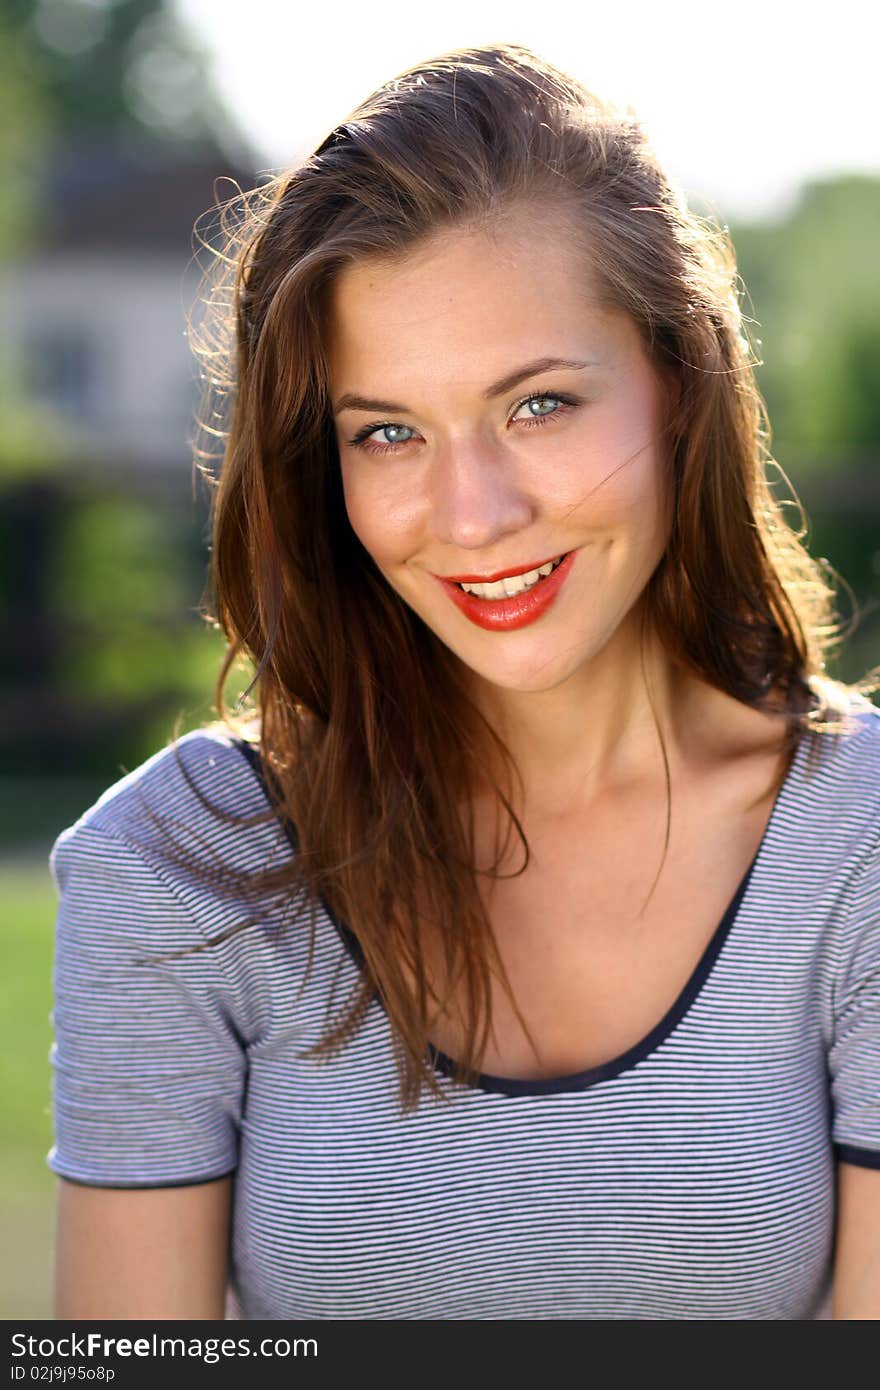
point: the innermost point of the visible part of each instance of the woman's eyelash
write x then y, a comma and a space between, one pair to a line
361, 440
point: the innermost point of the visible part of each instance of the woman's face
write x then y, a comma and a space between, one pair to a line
462, 455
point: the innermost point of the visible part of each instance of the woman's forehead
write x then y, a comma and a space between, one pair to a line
474, 301
474, 253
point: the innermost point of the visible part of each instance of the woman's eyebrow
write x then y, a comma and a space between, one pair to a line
351, 401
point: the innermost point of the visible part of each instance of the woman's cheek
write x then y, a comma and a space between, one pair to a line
357, 505
385, 524
590, 482
613, 472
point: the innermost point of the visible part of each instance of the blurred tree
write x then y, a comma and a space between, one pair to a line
813, 295
23, 134
814, 291
122, 67
25, 130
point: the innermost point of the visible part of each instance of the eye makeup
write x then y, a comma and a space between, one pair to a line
567, 403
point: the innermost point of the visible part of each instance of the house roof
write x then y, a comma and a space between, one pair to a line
135, 196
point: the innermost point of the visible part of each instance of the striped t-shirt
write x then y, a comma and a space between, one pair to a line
691, 1177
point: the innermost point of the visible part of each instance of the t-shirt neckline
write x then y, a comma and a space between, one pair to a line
605, 1071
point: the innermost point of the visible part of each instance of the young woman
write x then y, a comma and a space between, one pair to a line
517, 954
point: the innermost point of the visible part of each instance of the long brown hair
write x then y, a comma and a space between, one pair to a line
369, 738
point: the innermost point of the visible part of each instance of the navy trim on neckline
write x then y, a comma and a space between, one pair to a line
576, 1081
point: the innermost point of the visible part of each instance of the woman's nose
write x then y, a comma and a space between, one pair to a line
477, 496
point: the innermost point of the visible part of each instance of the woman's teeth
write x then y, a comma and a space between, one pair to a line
517, 584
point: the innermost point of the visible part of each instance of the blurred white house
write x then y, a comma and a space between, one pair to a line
95, 312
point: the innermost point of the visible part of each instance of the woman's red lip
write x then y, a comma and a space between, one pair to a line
507, 614
500, 574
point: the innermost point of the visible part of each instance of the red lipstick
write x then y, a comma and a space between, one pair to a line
499, 574
505, 614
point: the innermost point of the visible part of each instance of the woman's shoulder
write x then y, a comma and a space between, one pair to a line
835, 793
188, 799
844, 748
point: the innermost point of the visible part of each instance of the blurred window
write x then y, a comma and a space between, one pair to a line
62, 369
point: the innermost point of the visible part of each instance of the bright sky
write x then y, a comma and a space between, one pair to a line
742, 101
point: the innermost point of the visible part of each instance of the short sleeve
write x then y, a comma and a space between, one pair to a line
854, 1055
148, 1069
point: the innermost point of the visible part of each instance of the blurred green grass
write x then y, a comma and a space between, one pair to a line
27, 910
28, 900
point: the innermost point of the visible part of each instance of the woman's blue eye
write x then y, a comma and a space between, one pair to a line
392, 433
540, 401
364, 437
398, 435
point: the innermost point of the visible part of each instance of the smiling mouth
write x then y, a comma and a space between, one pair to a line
513, 585
499, 609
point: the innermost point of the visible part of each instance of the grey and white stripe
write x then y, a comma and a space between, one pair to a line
691, 1178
